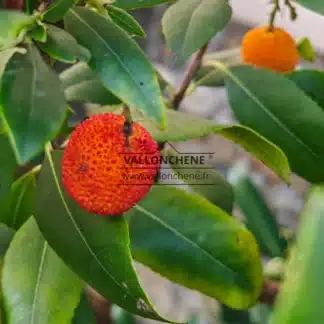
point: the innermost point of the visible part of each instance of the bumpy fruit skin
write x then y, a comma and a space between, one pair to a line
275, 50
102, 172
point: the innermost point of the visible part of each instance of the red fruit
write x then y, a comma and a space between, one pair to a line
104, 173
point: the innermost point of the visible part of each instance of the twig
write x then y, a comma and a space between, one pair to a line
269, 292
191, 71
293, 12
100, 306
276, 8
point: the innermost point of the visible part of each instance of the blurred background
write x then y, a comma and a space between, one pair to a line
285, 201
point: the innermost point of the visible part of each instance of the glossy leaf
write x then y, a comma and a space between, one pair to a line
118, 60
306, 50
6, 235
303, 288
125, 21
274, 106
17, 205
6, 55
311, 82
232, 316
12, 26
31, 90
260, 313
61, 46
95, 247
202, 179
315, 5
84, 313
38, 33
37, 286
208, 76
134, 4
189, 24
183, 126
58, 9
194, 243
30, 6
82, 84
8, 166
163, 83
120, 316
259, 218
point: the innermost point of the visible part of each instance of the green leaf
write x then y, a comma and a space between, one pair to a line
232, 316
6, 235
82, 84
194, 243
183, 126
202, 179
274, 106
134, 4
30, 6
306, 50
208, 76
119, 62
163, 83
260, 313
311, 82
125, 21
60, 45
303, 288
120, 316
31, 90
58, 9
37, 286
95, 247
17, 206
38, 32
6, 55
259, 218
190, 24
8, 166
12, 27
315, 5
84, 313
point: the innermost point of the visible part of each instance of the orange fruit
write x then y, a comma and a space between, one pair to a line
105, 173
275, 49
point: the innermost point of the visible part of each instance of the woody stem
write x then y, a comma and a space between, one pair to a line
189, 74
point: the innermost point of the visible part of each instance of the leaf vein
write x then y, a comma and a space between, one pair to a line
40, 271
122, 64
78, 228
190, 242
240, 84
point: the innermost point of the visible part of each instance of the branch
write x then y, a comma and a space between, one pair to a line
100, 306
269, 292
191, 71
292, 9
